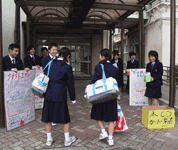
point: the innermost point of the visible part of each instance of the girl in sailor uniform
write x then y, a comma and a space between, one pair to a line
153, 90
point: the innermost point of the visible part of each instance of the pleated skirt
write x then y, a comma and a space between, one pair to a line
105, 111
56, 112
153, 92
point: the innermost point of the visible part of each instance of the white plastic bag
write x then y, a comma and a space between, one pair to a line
120, 125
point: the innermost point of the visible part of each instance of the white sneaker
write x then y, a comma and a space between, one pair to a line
49, 142
110, 142
103, 135
72, 140
54, 124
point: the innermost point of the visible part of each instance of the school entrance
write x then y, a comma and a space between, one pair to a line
79, 46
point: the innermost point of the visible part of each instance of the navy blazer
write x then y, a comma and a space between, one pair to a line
133, 65
60, 77
119, 64
110, 71
46, 60
28, 61
156, 72
7, 63
120, 67
41, 58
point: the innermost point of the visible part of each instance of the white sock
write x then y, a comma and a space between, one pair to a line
110, 137
103, 130
66, 135
49, 137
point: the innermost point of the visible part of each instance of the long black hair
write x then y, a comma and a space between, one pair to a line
64, 52
115, 52
153, 53
106, 53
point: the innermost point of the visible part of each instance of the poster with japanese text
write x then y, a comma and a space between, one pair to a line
137, 88
38, 101
18, 98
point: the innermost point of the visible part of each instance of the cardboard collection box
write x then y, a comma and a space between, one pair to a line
158, 117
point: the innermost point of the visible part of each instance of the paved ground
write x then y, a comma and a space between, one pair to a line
33, 135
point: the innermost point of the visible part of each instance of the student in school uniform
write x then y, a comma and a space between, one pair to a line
131, 64
55, 107
53, 50
117, 62
11, 62
105, 112
44, 51
153, 90
31, 59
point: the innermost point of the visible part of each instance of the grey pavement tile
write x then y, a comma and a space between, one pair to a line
5, 144
15, 144
28, 148
18, 148
7, 148
25, 144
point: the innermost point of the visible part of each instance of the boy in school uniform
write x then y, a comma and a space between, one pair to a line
32, 59
44, 51
132, 64
11, 62
52, 54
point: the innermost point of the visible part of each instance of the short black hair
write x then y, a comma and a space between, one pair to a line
131, 54
51, 45
30, 47
43, 49
115, 52
12, 46
106, 53
153, 53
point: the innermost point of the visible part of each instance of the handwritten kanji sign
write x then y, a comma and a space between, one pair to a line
18, 98
158, 117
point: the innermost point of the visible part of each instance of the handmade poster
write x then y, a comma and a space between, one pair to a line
38, 101
18, 98
137, 88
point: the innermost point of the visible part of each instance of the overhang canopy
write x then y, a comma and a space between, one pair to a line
101, 14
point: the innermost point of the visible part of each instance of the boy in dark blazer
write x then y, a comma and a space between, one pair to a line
132, 64
32, 59
44, 51
53, 50
11, 62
